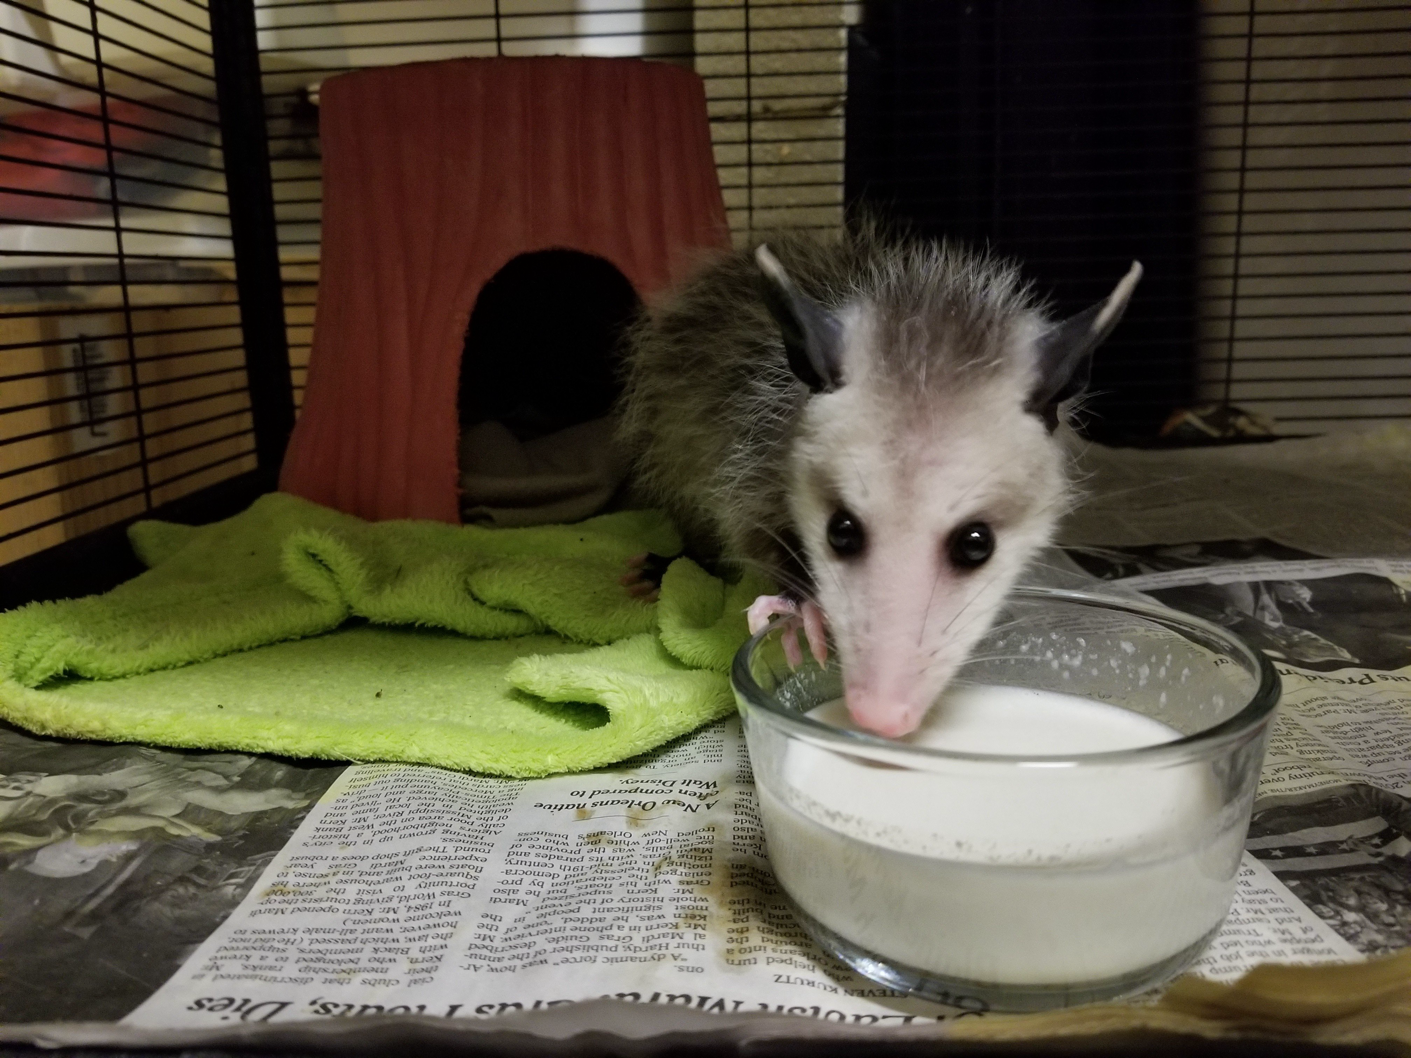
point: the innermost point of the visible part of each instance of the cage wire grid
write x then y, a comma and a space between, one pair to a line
124, 380
122, 375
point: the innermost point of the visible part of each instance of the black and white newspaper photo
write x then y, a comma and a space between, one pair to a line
117, 861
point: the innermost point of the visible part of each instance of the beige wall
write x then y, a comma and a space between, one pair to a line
88, 475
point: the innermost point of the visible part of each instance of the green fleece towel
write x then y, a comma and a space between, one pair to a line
297, 630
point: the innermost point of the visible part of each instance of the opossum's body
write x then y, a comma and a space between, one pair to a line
844, 422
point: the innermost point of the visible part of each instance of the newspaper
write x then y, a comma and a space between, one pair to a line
410, 890
413, 890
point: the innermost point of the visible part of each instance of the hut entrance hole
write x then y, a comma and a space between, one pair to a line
543, 343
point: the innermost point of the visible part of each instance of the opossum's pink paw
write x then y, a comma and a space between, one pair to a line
814, 623
767, 606
639, 588
643, 577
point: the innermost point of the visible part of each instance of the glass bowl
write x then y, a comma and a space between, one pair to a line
1076, 838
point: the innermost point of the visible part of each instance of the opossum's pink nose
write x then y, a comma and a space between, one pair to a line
888, 715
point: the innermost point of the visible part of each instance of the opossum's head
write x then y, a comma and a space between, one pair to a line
925, 471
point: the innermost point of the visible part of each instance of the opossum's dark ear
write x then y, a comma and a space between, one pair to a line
813, 336
1065, 353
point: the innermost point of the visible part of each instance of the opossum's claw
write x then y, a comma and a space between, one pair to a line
813, 630
643, 577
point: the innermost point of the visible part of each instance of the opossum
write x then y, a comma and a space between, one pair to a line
871, 421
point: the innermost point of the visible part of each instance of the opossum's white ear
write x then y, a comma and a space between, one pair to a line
813, 336
1065, 350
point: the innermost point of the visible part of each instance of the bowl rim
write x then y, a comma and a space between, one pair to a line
1244, 724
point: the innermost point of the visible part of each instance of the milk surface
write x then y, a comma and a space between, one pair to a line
1002, 874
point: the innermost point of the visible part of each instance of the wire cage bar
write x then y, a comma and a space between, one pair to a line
130, 260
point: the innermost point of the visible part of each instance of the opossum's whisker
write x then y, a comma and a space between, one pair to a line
1004, 626
930, 602
1145, 486
997, 629
1070, 571
1002, 629
984, 480
791, 551
777, 573
779, 539
1060, 502
799, 588
804, 591
1035, 563
969, 602
981, 659
861, 478
961, 632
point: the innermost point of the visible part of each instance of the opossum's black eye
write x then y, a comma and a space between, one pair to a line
971, 545
845, 534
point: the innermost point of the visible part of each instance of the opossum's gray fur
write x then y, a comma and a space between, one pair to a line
710, 403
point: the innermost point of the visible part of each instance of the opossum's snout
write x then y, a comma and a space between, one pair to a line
892, 675
891, 680
884, 712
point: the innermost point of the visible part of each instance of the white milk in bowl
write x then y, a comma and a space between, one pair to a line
1002, 873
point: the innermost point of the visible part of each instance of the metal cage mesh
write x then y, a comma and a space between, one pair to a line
122, 371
